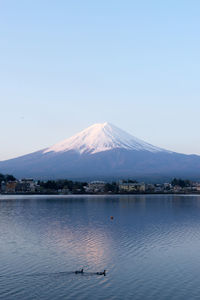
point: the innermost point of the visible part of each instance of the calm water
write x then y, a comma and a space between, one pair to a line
151, 249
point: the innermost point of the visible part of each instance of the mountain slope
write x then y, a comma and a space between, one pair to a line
102, 137
103, 151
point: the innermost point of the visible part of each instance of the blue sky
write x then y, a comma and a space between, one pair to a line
68, 64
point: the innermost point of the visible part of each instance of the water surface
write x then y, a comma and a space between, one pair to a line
151, 249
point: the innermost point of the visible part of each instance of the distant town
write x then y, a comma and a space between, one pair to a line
10, 185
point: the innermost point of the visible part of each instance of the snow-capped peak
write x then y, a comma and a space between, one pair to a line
102, 137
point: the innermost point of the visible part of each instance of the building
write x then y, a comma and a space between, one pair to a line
26, 186
3, 187
95, 187
11, 187
132, 187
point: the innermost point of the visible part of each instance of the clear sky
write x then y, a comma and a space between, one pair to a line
65, 65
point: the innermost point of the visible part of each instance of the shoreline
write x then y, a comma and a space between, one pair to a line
97, 194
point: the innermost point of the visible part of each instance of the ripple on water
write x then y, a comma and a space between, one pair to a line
150, 249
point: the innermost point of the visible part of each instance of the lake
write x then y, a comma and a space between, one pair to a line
151, 248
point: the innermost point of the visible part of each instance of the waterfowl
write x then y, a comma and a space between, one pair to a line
79, 272
102, 273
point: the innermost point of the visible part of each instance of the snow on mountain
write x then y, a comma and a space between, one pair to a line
102, 137
128, 157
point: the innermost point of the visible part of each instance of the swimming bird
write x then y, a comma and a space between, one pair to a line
102, 273
79, 272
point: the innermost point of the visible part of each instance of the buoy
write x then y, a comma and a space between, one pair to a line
111, 217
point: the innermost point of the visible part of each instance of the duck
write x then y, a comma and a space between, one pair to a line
102, 273
79, 272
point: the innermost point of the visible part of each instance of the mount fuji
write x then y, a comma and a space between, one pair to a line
103, 151
102, 137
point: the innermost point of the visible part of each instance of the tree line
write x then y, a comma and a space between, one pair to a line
62, 184
181, 182
6, 177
